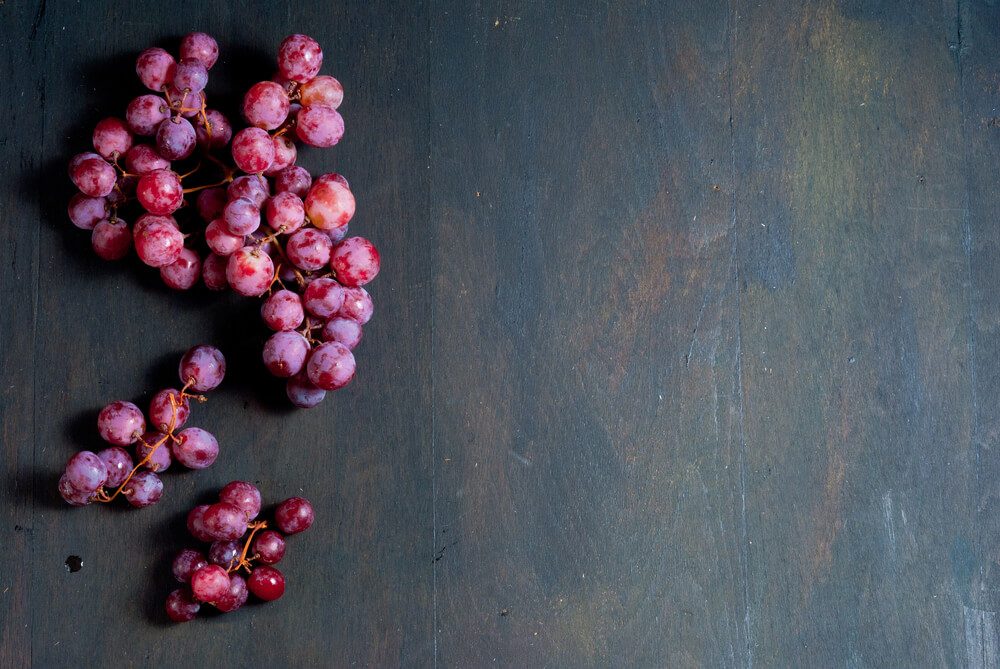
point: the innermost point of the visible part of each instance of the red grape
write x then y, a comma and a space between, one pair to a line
269, 547
357, 305
186, 563
85, 212
183, 273
146, 113
293, 179
285, 154
265, 105
286, 210
224, 521
144, 489
195, 448
181, 606
112, 138
111, 240
161, 459
235, 597
155, 68
324, 297
190, 76
143, 158
329, 205
210, 203
160, 192
250, 186
319, 125
323, 90
294, 515
355, 262
344, 330
120, 423
253, 150
94, 177
250, 271
175, 138
283, 310
209, 583
158, 242
217, 134
309, 249
285, 353
220, 240
243, 495
118, 463
201, 47
302, 393
203, 367
331, 366
266, 583
300, 58
241, 217
213, 272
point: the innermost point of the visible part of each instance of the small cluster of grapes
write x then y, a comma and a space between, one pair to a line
311, 272
101, 477
238, 541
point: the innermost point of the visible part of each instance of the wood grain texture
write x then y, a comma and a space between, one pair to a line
685, 348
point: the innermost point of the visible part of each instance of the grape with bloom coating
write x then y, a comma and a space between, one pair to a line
160, 192
266, 583
329, 204
250, 271
175, 138
344, 330
93, 176
357, 305
286, 212
203, 366
285, 155
300, 58
85, 472
331, 366
355, 262
243, 495
201, 47
294, 515
265, 105
269, 547
190, 75
285, 353
183, 273
71, 495
293, 179
223, 553
309, 249
221, 240
155, 68
145, 114
324, 297
195, 448
253, 150
283, 310
236, 597
112, 138
323, 90
196, 523
118, 463
120, 423
158, 242
250, 186
209, 583
111, 240
319, 125
302, 392
224, 521
144, 489
85, 212
181, 606
186, 562
142, 158
213, 272
160, 459
241, 217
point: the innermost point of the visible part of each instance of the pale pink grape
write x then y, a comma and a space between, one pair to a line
85, 212
203, 366
285, 353
319, 125
195, 448
323, 90
145, 114
331, 366
158, 243
283, 311
309, 249
162, 410
220, 240
265, 105
183, 273
253, 150
346, 331
250, 271
112, 138
120, 423
324, 297
357, 305
201, 47
330, 204
160, 192
155, 68
142, 158
95, 177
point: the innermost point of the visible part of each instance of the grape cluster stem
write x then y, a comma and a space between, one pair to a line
244, 562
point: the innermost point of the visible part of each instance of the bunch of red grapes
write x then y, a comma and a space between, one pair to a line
264, 227
238, 542
103, 476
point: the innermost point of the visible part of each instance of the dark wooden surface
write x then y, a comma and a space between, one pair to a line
685, 348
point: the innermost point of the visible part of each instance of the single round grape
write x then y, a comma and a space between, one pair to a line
213, 272
302, 393
86, 212
71, 495
253, 150
162, 411
146, 113
112, 138
266, 583
244, 496
120, 423
94, 177
187, 103
323, 297
265, 105
210, 203
250, 186
144, 489
220, 240
236, 597
209, 583
86, 472
283, 311
155, 68
160, 192
329, 205
201, 47
285, 353
203, 367
293, 179
241, 217
300, 58
160, 460
142, 158
175, 138
223, 553
269, 546
335, 177
218, 131
286, 212
319, 125
186, 562
181, 606
294, 515
309, 249
183, 273
111, 240
196, 523
355, 262
331, 366
323, 90
225, 521
357, 305
118, 463
285, 155
344, 330
195, 448
158, 243
190, 76
250, 272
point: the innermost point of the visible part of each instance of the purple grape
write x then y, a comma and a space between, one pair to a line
181, 606
118, 463
285, 353
86, 212
269, 546
186, 563
144, 489
71, 495
294, 179
236, 597
121, 423
283, 311
195, 448
224, 521
344, 330
250, 186
191, 76
241, 217
286, 212
223, 553
302, 393
160, 460
203, 367
243, 495
175, 138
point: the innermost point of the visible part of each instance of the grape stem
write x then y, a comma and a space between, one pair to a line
243, 561
101, 494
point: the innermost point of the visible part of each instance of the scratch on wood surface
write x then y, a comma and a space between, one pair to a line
980, 638
890, 526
